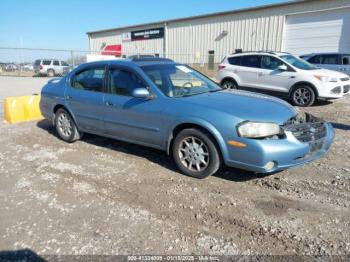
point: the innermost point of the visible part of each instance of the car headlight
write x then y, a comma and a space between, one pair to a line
326, 78
258, 129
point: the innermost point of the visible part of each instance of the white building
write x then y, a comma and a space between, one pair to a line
298, 27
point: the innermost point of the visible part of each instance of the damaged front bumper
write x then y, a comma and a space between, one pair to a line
304, 141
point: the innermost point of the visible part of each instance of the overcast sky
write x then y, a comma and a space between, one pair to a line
63, 23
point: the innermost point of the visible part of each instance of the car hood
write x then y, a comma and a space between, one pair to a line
246, 105
326, 72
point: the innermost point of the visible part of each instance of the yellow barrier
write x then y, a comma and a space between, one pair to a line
22, 109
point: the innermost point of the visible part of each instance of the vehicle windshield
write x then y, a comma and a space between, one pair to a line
297, 62
179, 80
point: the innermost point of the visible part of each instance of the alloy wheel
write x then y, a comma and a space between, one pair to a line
64, 125
302, 96
194, 154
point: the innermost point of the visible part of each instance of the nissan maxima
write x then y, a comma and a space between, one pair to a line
169, 106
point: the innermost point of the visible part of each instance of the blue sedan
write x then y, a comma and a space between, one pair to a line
169, 106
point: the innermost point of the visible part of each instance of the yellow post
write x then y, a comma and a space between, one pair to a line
22, 109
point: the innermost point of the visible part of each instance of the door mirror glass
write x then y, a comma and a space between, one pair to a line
282, 68
142, 93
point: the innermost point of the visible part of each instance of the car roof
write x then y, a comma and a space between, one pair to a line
257, 53
325, 53
139, 62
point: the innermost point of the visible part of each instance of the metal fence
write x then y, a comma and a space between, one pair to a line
19, 61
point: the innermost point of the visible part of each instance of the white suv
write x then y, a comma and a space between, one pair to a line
282, 74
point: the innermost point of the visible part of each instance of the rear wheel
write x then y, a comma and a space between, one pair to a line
50, 73
303, 95
196, 154
65, 126
229, 84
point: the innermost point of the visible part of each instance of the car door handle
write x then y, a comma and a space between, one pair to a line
109, 103
261, 74
68, 97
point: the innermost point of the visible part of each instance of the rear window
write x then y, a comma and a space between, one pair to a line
251, 61
234, 60
64, 63
37, 62
47, 62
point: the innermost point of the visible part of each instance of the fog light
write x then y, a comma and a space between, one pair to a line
269, 165
336, 90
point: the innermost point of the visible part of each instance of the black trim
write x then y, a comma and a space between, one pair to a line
265, 91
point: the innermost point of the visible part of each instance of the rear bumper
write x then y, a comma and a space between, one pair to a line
284, 153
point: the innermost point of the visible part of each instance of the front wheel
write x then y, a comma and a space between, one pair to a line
303, 96
196, 154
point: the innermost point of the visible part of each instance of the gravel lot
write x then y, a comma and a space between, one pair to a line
101, 196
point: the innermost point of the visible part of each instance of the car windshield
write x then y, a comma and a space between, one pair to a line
179, 80
297, 62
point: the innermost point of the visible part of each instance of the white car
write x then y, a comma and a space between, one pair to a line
282, 74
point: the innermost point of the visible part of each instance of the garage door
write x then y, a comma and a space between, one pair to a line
327, 31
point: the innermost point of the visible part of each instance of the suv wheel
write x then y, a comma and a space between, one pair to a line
196, 154
229, 84
303, 95
65, 126
50, 73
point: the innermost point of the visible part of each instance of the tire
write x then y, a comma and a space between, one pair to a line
195, 153
229, 84
50, 73
66, 127
303, 96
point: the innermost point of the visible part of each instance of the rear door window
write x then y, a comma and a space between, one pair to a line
251, 61
64, 63
236, 60
329, 59
91, 79
47, 62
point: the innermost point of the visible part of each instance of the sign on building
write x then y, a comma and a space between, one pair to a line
147, 34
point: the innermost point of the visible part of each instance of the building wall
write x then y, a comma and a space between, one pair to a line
190, 40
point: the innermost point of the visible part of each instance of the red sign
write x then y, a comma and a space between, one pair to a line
115, 50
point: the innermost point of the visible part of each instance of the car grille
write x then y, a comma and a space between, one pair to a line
346, 88
306, 130
345, 79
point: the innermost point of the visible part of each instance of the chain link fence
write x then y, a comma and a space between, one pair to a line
34, 62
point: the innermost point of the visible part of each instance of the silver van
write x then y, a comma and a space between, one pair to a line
50, 67
333, 61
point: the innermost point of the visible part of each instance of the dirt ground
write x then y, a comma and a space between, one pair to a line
102, 196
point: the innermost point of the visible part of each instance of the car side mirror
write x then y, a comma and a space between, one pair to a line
282, 68
141, 93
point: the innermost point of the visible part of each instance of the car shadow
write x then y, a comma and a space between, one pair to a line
156, 156
26, 255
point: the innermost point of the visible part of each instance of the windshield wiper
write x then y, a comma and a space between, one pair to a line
192, 94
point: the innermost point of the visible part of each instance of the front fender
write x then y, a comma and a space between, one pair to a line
203, 124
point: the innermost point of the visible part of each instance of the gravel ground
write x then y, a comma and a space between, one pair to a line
102, 196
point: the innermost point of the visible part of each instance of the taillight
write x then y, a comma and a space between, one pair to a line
221, 67
40, 67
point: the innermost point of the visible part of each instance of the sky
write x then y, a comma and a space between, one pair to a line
62, 24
